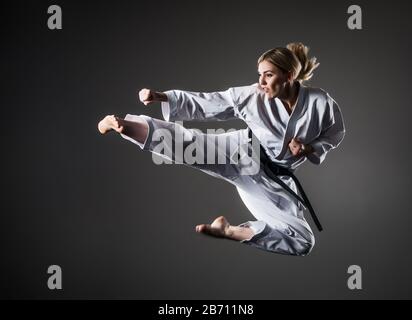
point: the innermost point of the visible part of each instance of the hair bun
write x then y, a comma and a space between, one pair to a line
308, 65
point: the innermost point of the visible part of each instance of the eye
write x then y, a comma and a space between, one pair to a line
269, 75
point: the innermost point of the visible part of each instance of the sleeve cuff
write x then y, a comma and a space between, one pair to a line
146, 144
318, 155
169, 108
257, 227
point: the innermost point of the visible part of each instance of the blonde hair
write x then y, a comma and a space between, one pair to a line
294, 58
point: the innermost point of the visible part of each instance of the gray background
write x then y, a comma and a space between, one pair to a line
122, 227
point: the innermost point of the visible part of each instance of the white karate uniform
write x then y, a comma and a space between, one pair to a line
316, 119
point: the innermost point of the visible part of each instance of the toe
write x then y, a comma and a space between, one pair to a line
200, 228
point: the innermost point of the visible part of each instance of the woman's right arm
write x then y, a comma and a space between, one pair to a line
185, 105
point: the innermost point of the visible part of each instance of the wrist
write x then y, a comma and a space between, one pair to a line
161, 96
306, 149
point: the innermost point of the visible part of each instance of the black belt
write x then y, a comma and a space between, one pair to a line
273, 171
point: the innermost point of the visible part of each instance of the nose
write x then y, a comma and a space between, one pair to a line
262, 81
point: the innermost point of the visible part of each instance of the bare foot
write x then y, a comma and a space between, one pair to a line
219, 228
109, 123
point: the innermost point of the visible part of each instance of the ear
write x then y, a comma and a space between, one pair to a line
290, 76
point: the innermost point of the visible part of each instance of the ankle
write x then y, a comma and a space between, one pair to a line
239, 233
230, 231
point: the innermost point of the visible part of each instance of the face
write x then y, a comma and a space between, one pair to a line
272, 79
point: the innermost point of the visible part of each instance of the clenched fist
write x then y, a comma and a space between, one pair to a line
298, 148
147, 96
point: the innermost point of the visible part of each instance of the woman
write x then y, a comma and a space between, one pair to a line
292, 122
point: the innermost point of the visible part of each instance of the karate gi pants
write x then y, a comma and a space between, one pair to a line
280, 225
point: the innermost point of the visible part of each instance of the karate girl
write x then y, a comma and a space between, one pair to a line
293, 123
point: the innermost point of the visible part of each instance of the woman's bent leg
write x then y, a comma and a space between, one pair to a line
280, 226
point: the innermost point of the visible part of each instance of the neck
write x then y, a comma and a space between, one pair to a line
290, 95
